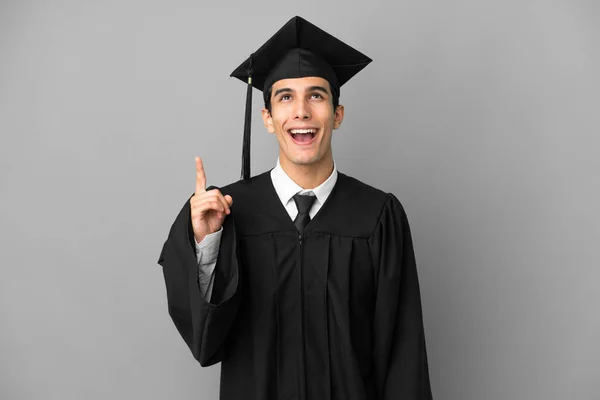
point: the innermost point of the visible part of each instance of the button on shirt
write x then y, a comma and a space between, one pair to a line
208, 249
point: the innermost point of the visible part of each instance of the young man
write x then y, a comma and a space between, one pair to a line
302, 280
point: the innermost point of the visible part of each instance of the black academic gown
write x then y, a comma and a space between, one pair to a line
332, 314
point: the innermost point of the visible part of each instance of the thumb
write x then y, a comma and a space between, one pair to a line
229, 199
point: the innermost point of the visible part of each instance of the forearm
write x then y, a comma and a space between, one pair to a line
207, 252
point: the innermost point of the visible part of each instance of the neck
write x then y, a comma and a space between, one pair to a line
308, 176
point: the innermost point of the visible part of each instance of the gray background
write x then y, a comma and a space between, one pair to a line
482, 117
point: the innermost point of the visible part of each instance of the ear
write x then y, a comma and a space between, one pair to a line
338, 116
268, 120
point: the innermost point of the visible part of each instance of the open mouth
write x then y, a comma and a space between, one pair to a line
303, 136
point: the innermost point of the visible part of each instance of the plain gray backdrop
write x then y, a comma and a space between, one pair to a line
481, 116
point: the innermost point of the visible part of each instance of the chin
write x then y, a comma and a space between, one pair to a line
305, 160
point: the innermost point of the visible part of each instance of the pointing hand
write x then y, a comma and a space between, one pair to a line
208, 208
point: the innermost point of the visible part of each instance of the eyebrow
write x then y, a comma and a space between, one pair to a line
318, 89
310, 89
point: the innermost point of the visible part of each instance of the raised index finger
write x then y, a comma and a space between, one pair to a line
200, 177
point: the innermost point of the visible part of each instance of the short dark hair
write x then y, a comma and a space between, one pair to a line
334, 99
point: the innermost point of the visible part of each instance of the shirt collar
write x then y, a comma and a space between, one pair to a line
286, 188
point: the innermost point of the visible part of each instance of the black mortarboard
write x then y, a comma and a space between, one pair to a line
299, 49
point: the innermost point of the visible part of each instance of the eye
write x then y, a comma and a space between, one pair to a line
316, 95
285, 97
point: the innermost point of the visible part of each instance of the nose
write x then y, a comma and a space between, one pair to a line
301, 111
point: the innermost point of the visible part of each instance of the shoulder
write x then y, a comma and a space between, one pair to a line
371, 199
375, 205
249, 195
246, 188
359, 188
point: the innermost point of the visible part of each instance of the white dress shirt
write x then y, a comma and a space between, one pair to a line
208, 249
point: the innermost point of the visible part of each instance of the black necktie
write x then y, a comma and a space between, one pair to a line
304, 203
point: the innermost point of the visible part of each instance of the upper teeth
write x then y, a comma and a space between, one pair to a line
302, 131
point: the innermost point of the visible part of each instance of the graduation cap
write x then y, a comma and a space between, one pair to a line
299, 49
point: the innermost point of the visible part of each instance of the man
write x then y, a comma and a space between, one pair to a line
302, 280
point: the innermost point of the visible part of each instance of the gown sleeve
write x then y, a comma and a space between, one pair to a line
203, 325
400, 356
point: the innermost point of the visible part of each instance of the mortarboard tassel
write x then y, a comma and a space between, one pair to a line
247, 125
